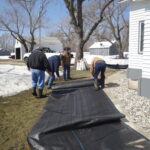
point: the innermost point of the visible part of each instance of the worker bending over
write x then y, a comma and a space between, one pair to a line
98, 66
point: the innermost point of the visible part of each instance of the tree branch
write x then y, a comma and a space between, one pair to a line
98, 21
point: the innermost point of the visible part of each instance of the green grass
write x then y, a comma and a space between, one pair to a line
19, 113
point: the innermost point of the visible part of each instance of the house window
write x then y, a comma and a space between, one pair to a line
141, 36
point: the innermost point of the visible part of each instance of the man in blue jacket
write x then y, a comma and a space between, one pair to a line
38, 63
54, 63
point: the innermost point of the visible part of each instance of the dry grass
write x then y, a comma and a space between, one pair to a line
18, 114
12, 62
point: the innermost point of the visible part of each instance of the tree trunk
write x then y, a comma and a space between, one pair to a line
79, 53
25, 46
120, 53
80, 49
120, 49
31, 47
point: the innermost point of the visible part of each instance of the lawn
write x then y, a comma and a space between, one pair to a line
19, 113
12, 62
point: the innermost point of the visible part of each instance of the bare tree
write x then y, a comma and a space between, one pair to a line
65, 34
23, 18
6, 41
118, 25
75, 8
102, 33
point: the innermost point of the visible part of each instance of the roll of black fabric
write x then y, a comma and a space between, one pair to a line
73, 84
83, 119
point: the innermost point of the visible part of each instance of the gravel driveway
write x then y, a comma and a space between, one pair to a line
136, 108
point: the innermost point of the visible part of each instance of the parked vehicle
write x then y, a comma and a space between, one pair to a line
47, 51
4, 52
12, 56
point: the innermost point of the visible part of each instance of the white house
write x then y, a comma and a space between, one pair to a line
139, 46
103, 48
52, 42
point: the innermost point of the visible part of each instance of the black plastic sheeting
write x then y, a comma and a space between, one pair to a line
73, 84
83, 119
117, 66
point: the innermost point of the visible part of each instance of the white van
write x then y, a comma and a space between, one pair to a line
47, 50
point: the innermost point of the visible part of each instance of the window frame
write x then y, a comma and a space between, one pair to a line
141, 36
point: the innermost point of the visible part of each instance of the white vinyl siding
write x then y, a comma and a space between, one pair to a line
146, 52
136, 15
140, 11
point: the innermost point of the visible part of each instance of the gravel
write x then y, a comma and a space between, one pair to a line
137, 107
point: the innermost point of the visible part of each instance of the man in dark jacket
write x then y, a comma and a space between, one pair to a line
54, 62
38, 63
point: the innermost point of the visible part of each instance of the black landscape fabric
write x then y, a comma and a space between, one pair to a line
73, 84
80, 118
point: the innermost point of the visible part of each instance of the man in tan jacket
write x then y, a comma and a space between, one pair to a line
98, 66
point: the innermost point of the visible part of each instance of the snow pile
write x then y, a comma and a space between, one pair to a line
117, 61
108, 59
4, 57
14, 79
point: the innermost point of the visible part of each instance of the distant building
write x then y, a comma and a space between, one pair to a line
103, 48
52, 42
139, 46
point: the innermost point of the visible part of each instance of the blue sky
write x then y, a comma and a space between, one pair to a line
56, 11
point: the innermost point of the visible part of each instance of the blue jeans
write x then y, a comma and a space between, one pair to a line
38, 78
66, 72
100, 67
50, 80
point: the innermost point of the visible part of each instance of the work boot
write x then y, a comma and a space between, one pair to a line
96, 85
40, 94
102, 84
99, 81
34, 91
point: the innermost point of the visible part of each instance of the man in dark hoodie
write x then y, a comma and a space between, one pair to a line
38, 63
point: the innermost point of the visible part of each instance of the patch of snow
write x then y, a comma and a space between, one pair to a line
15, 79
108, 59
4, 57
117, 61
104, 44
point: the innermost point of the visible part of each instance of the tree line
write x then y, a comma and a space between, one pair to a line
86, 22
